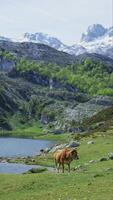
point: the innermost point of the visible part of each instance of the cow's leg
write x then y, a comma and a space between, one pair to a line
68, 167
62, 167
58, 167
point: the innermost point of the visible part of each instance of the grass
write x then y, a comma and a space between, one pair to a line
101, 147
88, 185
35, 132
36, 170
65, 137
31, 129
93, 181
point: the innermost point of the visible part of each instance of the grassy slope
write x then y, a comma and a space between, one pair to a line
92, 182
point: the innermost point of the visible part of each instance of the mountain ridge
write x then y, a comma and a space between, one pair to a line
58, 95
96, 39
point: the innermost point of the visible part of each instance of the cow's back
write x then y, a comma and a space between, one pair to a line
61, 155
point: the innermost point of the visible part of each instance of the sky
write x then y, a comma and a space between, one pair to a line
64, 19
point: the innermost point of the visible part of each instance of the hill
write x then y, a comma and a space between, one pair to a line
48, 89
36, 52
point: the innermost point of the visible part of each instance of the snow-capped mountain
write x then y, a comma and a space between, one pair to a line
76, 49
4, 38
99, 44
96, 39
44, 39
93, 32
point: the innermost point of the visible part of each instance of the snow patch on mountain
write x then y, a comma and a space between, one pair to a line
76, 49
96, 39
102, 45
4, 38
44, 39
93, 32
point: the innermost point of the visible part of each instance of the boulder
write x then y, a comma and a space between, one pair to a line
47, 150
103, 159
92, 161
58, 147
110, 155
90, 142
58, 131
73, 144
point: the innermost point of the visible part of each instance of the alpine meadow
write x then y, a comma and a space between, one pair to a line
56, 100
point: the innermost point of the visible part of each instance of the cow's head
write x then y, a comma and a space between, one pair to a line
74, 154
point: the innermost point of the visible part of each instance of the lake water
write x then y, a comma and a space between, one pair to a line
15, 168
16, 147
19, 147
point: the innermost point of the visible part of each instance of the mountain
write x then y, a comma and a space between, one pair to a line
76, 49
96, 39
4, 38
12, 51
34, 52
102, 43
93, 32
56, 93
53, 42
42, 38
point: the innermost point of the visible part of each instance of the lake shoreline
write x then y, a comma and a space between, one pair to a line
64, 137
21, 155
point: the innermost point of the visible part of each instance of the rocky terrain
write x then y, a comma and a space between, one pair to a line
35, 87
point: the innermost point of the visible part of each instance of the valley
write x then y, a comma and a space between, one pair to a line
50, 94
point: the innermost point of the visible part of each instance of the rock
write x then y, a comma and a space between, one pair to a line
73, 144
58, 147
3, 161
32, 160
44, 119
37, 170
78, 167
8, 159
41, 150
97, 175
76, 130
90, 142
109, 169
103, 159
47, 150
92, 161
6, 65
58, 131
110, 155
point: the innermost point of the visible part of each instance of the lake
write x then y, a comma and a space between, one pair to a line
20, 147
15, 168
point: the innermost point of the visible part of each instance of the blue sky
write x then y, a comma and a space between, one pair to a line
65, 19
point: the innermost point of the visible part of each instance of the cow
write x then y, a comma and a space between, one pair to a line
65, 156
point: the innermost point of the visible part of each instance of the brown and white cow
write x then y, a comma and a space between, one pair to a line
65, 156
